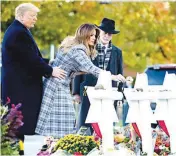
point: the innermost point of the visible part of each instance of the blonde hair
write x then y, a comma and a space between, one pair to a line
82, 36
22, 8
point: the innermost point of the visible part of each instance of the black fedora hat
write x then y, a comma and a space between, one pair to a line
108, 25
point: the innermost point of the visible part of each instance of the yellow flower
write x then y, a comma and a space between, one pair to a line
78, 143
69, 151
64, 147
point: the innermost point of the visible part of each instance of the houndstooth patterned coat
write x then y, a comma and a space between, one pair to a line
57, 115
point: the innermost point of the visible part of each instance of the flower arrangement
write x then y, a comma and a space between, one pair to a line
162, 145
77, 143
124, 139
11, 120
70, 144
126, 142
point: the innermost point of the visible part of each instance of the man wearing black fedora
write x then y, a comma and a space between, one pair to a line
109, 58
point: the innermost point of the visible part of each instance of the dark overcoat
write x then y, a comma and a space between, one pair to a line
22, 71
115, 66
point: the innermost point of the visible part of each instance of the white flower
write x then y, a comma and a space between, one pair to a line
5, 109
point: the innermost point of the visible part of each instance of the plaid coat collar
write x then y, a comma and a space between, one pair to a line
103, 59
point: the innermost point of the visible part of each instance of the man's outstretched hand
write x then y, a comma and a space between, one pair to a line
59, 73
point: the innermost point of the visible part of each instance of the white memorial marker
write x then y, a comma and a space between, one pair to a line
102, 109
140, 111
170, 84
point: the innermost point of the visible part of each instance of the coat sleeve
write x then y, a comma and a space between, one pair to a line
120, 63
84, 63
27, 55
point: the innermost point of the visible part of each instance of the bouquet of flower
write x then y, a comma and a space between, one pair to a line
70, 144
124, 138
11, 120
162, 145
76, 143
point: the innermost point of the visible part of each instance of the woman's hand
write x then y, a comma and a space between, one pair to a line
77, 98
118, 78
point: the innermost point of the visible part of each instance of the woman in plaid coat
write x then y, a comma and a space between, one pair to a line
57, 115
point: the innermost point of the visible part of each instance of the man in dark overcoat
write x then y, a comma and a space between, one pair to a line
109, 58
23, 67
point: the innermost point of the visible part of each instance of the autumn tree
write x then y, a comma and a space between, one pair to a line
147, 30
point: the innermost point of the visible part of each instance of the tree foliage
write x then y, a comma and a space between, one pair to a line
148, 33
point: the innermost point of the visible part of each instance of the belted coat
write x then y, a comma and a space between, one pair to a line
57, 114
115, 66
